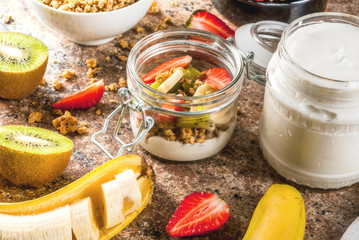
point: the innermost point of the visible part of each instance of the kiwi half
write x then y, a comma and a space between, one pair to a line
32, 156
23, 61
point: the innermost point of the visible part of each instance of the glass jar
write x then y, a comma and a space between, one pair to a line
184, 128
309, 128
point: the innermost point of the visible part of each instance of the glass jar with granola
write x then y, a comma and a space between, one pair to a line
189, 81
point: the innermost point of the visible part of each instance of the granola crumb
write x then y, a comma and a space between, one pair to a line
35, 117
119, 36
57, 84
175, 4
98, 112
43, 82
54, 61
7, 19
93, 80
57, 112
34, 103
68, 74
163, 24
154, 8
82, 130
83, 124
140, 30
112, 87
92, 71
107, 58
112, 101
122, 82
124, 44
238, 110
91, 63
65, 123
122, 58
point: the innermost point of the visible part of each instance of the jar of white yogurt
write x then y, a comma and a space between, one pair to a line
181, 128
309, 129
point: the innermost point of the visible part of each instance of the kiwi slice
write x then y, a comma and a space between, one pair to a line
32, 156
23, 61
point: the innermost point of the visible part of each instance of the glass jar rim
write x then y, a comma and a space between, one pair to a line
286, 34
184, 32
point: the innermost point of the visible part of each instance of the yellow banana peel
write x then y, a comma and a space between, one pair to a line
279, 215
90, 186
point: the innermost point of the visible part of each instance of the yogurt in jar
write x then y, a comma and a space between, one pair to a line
309, 129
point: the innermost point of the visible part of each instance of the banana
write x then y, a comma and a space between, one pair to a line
130, 190
54, 225
120, 197
83, 222
201, 90
112, 203
279, 215
51, 217
171, 81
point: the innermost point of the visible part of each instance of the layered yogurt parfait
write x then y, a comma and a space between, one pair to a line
191, 85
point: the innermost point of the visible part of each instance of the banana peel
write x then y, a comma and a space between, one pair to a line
90, 186
279, 215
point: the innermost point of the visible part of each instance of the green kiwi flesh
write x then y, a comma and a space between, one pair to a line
23, 61
32, 156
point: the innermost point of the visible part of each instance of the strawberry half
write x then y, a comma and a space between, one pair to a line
166, 66
83, 99
198, 214
206, 21
218, 77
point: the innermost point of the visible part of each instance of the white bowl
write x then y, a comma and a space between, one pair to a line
91, 28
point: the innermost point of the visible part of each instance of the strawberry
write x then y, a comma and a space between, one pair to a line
83, 99
203, 20
198, 214
166, 66
218, 77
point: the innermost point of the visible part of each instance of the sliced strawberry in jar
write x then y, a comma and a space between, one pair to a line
206, 21
218, 77
83, 99
198, 214
166, 66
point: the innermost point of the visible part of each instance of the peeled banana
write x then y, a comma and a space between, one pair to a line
279, 215
76, 207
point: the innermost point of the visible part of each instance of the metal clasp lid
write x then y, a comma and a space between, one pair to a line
128, 101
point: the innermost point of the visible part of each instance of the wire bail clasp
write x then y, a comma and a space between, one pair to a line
128, 101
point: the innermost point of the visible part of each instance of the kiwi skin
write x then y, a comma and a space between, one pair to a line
17, 85
21, 85
31, 169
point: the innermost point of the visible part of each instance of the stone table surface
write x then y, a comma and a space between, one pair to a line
238, 174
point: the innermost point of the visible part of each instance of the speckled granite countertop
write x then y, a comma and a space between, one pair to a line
238, 174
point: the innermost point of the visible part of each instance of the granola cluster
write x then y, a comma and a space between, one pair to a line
88, 6
183, 135
68, 124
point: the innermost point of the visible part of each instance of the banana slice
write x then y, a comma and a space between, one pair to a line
201, 90
171, 81
113, 203
130, 189
54, 225
84, 225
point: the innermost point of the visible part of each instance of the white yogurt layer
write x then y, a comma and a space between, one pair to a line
330, 50
176, 151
